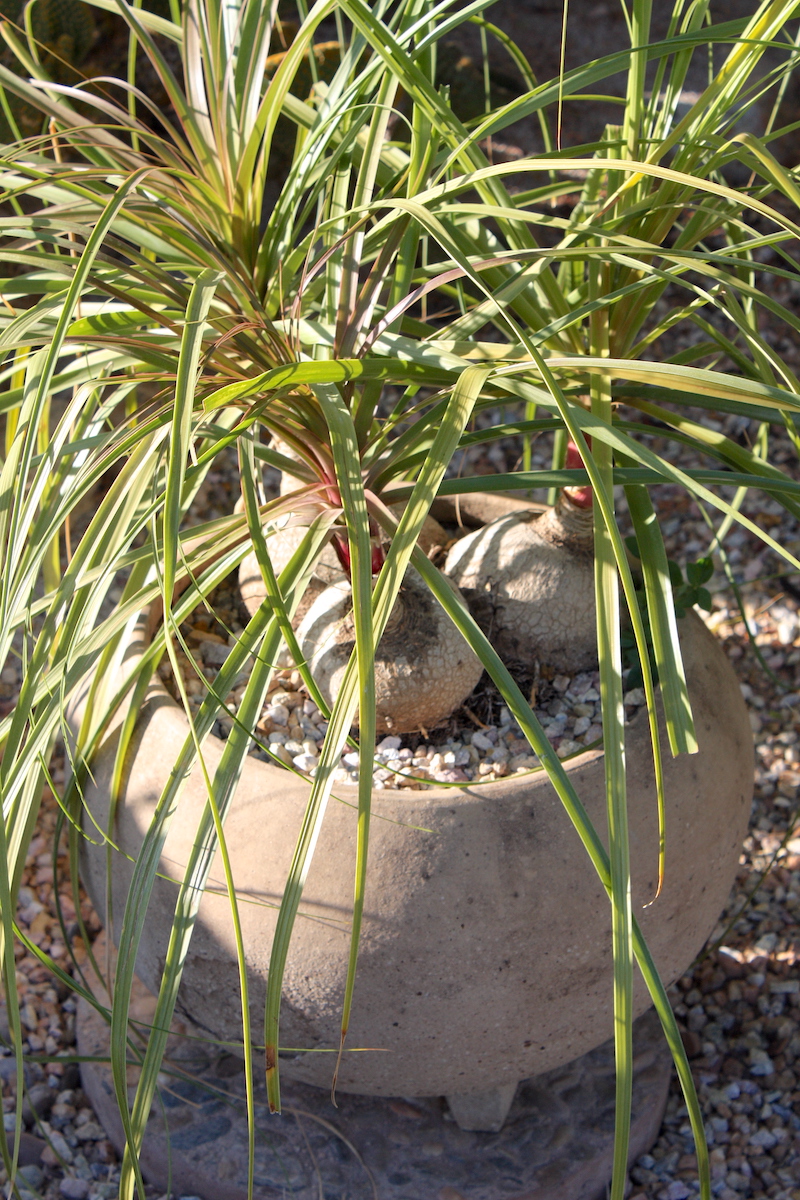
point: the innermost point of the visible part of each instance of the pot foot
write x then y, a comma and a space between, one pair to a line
483, 1111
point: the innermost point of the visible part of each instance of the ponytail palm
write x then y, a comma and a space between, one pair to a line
160, 308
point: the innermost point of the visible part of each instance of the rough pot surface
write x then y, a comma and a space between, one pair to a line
485, 954
557, 1143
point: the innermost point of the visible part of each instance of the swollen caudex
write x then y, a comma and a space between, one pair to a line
527, 577
281, 545
529, 581
423, 667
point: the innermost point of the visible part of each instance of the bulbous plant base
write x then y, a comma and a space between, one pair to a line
556, 1144
485, 951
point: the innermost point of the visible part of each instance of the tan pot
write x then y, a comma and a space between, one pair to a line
485, 954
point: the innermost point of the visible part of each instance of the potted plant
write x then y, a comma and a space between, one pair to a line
355, 333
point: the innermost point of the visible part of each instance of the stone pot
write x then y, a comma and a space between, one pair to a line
486, 947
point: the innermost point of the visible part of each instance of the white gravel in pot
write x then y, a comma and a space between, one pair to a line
291, 729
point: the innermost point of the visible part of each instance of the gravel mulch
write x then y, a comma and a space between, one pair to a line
476, 746
739, 1007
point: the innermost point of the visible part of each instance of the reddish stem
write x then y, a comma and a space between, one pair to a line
581, 497
342, 548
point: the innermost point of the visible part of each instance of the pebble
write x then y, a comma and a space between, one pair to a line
8, 1070
37, 1102
89, 1132
58, 1148
33, 1175
305, 762
278, 714
74, 1189
214, 654
761, 1063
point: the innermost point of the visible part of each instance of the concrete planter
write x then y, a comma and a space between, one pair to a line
485, 955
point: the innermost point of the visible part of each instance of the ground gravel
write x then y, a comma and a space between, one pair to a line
739, 1007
